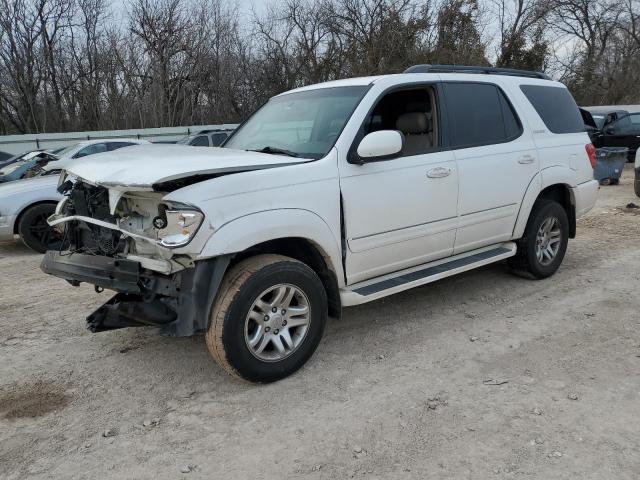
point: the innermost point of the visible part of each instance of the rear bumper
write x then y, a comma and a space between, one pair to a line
585, 195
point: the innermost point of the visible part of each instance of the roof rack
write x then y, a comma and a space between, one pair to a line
427, 68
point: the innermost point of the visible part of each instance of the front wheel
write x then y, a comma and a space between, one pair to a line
268, 318
36, 232
542, 248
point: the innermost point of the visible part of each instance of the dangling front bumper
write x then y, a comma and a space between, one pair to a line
179, 303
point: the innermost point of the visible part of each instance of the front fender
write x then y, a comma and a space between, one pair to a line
253, 229
545, 178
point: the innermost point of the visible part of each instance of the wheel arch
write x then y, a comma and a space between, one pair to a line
553, 184
296, 233
563, 194
307, 252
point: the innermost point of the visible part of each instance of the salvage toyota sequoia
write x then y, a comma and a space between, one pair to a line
328, 196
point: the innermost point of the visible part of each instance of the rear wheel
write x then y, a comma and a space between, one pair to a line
268, 318
543, 246
34, 230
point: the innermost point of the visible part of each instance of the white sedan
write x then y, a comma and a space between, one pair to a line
26, 204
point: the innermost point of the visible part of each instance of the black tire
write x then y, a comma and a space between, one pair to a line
526, 260
241, 287
34, 230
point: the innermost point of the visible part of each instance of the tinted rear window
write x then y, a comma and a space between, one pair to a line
556, 107
479, 115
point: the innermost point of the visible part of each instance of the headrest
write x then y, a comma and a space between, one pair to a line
413, 123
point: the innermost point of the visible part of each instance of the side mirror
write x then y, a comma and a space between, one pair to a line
380, 145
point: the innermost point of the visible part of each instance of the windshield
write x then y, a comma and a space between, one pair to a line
15, 166
303, 124
185, 140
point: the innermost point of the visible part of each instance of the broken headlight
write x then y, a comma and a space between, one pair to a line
180, 226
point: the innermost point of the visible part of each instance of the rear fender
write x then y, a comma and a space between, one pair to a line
547, 177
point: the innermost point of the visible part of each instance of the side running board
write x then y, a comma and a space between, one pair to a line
413, 277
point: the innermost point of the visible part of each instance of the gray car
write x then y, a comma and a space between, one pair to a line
26, 204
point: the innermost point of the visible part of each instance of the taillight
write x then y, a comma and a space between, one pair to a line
591, 152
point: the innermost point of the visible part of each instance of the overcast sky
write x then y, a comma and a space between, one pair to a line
245, 6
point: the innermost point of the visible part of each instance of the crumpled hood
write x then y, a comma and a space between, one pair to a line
142, 166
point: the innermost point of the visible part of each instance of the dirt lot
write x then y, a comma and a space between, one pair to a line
485, 375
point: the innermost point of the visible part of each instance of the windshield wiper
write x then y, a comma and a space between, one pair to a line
276, 151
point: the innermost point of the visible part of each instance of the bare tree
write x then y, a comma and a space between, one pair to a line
522, 43
67, 65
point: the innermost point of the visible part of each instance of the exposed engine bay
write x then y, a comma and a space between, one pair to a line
133, 225
84, 237
122, 241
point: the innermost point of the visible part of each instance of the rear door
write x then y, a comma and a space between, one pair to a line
496, 160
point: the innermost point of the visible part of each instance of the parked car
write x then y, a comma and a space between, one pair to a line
26, 204
623, 132
25, 165
328, 196
592, 126
206, 138
11, 159
28, 155
613, 128
86, 148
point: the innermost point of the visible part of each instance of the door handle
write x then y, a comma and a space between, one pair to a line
439, 172
526, 159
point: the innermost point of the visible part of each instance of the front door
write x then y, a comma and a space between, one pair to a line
400, 212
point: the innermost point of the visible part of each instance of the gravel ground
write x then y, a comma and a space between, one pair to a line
484, 375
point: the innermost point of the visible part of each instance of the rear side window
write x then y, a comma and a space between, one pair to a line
479, 114
556, 107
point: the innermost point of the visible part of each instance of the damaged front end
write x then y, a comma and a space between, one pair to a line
125, 241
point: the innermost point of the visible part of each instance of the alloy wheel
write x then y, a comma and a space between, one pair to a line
277, 322
548, 240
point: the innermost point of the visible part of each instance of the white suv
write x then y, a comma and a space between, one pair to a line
328, 196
